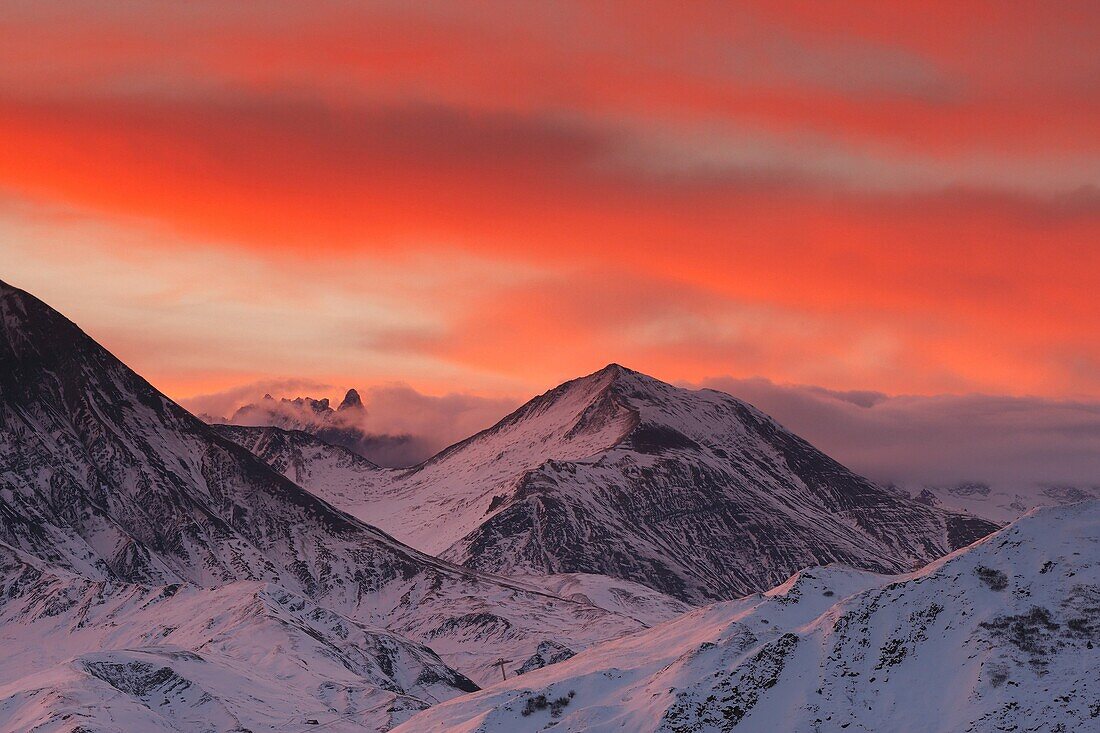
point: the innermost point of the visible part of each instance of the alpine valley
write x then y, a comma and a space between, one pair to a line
629, 554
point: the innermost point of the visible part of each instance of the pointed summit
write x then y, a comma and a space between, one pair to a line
351, 401
616, 369
692, 492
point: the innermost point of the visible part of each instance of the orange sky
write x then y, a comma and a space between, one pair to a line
498, 196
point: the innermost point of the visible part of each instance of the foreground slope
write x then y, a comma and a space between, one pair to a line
1003, 635
106, 477
693, 493
245, 656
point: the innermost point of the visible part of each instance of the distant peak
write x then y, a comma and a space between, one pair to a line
613, 380
615, 374
351, 401
611, 373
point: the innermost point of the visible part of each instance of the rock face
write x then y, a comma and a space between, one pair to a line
1003, 635
548, 652
106, 478
352, 401
693, 493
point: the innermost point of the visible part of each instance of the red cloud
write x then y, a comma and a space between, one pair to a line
917, 190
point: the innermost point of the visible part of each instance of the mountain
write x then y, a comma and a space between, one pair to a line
1002, 635
343, 426
692, 493
243, 656
335, 473
103, 476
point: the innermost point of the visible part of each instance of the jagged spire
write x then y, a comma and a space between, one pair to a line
351, 401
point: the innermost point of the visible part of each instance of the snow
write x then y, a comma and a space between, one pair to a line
181, 658
622, 597
945, 648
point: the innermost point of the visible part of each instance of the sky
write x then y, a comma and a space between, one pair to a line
491, 198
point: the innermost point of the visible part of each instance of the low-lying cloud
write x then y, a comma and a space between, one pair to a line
941, 439
395, 426
907, 440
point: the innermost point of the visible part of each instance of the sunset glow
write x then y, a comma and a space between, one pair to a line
496, 198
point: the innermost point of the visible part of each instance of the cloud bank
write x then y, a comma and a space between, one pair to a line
938, 440
393, 424
913, 441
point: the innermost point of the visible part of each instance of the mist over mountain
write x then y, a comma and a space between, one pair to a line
391, 425
1026, 451
939, 440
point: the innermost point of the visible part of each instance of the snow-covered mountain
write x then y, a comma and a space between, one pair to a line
243, 656
345, 478
693, 493
1003, 635
156, 574
103, 476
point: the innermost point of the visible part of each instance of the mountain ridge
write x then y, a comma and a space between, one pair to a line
582, 478
102, 474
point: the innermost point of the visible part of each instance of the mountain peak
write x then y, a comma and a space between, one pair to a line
613, 377
616, 368
615, 371
351, 401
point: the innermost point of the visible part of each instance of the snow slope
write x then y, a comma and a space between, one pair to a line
624, 597
334, 473
246, 655
1002, 635
102, 475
